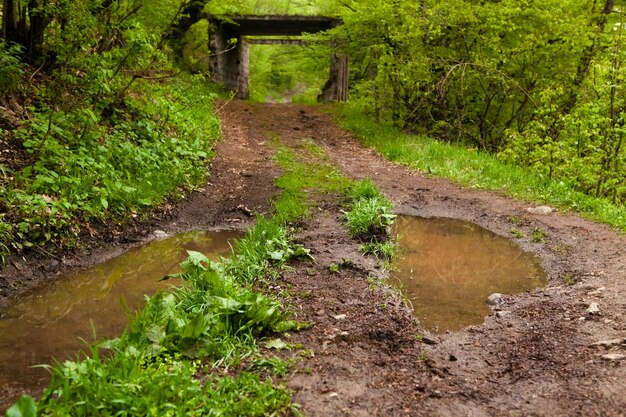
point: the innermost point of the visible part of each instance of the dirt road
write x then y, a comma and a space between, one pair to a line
537, 359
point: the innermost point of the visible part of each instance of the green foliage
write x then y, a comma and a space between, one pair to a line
215, 315
25, 406
130, 384
384, 251
265, 247
369, 219
90, 168
503, 77
284, 73
11, 68
370, 214
280, 7
476, 169
194, 47
305, 168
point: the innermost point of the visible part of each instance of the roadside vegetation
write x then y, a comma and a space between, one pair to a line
99, 124
477, 169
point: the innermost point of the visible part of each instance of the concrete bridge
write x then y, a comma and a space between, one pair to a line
230, 63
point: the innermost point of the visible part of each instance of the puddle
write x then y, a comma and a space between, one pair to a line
48, 324
449, 267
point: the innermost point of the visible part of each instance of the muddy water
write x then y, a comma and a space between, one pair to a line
49, 324
449, 267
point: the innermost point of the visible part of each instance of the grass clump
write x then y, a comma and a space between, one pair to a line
369, 219
475, 169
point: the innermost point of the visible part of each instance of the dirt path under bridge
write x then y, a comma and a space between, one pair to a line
538, 359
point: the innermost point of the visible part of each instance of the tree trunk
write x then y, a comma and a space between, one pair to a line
25, 25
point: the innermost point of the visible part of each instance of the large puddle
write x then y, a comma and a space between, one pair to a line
449, 267
50, 323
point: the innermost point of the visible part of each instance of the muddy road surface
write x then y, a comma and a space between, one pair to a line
557, 350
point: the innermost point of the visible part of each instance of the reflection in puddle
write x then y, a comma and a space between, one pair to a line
48, 324
449, 267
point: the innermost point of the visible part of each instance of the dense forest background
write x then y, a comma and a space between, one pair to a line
100, 98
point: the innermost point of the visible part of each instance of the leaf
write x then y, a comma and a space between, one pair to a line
104, 202
277, 255
24, 407
277, 344
194, 261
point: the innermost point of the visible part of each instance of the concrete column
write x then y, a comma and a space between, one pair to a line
336, 88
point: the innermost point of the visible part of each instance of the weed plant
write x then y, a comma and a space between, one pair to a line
369, 219
476, 169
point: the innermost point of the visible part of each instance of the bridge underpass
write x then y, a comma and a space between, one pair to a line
230, 61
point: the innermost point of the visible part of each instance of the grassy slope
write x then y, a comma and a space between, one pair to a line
476, 169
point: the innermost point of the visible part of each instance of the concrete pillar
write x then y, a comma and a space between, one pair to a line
336, 88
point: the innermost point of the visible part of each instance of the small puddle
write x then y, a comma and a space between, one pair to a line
48, 324
449, 267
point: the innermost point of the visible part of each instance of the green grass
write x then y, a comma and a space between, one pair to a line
475, 169
305, 170
369, 218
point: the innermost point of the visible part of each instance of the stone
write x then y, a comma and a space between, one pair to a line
160, 234
429, 340
610, 343
613, 357
594, 308
597, 292
494, 299
540, 210
502, 313
340, 317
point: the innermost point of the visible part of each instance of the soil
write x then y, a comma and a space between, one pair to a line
533, 356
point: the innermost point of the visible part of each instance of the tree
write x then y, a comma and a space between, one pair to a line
24, 23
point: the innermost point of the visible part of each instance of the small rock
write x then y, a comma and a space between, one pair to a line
594, 308
494, 299
599, 291
614, 357
502, 313
610, 343
340, 317
333, 395
160, 234
428, 340
540, 210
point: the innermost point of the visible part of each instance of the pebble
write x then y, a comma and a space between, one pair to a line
160, 234
340, 317
610, 343
540, 210
494, 299
428, 340
599, 291
594, 308
502, 313
614, 357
